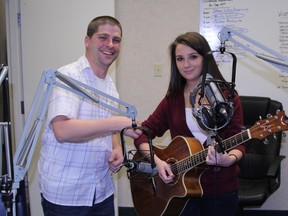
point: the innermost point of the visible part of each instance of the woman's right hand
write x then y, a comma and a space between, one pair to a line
164, 170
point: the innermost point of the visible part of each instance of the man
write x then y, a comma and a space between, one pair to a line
80, 144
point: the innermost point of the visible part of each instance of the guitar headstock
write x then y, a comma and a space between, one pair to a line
272, 124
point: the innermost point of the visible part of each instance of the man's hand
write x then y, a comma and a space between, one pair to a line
116, 159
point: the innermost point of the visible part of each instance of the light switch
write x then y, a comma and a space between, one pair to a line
158, 70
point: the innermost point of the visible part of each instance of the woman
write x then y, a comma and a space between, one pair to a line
219, 182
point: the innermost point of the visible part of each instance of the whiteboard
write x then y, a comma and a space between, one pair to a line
263, 21
267, 23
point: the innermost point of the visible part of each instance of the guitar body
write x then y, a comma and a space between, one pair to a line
168, 199
186, 157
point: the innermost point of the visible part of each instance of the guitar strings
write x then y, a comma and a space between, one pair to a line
196, 159
189, 162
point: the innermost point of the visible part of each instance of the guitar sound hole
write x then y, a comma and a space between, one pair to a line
171, 162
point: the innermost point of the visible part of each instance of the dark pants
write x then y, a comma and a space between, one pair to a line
105, 208
218, 205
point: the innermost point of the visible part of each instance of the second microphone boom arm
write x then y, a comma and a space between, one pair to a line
226, 34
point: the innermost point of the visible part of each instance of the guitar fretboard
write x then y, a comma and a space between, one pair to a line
200, 157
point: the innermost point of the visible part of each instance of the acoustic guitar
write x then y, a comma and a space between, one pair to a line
186, 156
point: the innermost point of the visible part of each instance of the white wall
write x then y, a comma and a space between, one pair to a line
3, 46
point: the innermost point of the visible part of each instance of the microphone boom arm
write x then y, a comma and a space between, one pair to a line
25, 150
276, 60
26, 147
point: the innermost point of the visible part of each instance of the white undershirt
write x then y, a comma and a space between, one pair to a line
195, 129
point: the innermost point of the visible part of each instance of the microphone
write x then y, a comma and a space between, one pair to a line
219, 111
143, 167
215, 97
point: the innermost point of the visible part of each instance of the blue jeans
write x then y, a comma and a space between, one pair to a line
218, 205
105, 208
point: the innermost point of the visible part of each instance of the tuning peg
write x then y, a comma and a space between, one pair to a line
274, 136
268, 115
266, 141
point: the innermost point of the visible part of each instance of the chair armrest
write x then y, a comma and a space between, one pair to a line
274, 166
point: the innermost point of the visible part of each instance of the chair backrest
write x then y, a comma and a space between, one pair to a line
254, 106
259, 154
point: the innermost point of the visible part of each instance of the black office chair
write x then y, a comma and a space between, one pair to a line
261, 165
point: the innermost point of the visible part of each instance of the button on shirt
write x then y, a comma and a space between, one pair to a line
75, 174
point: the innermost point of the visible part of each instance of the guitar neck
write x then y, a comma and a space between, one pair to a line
200, 157
233, 141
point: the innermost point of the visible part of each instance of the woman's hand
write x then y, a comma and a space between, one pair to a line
220, 159
164, 171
